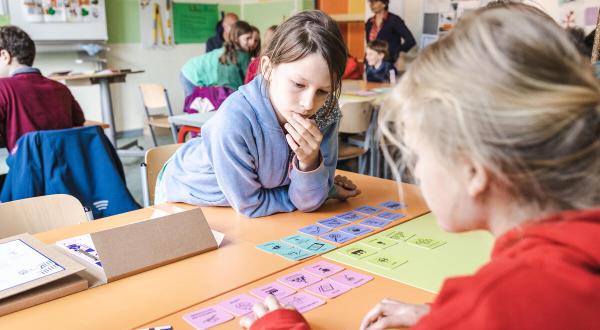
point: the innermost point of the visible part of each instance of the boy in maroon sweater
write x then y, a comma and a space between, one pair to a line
513, 148
29, 101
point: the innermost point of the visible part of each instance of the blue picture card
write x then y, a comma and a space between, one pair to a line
299, 240
368, 210
391, 205
319, 247
390, 216
314, 230
375, 222
350, 216
333, 222
337, 237
274, 247
357, 230
296, 253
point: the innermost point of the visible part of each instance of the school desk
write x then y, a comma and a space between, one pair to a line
190, 123
343, 312
153, 294
95, 123
103, 80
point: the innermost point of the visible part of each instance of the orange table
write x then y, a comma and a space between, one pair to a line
343, 312
147, 296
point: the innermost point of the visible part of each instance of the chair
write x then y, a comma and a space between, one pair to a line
154, 161
356, 120
40, 214
155, 96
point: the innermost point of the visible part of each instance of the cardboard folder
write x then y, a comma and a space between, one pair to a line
130, 249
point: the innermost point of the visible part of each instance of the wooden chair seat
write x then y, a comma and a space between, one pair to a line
347, 151
159, 121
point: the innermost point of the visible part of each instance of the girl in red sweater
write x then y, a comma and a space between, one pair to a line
501, 122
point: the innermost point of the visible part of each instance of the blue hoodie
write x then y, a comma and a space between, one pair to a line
242, 160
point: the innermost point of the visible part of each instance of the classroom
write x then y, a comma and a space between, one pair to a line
299, 164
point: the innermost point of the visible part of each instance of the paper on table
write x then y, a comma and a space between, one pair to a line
83, 247
20, 263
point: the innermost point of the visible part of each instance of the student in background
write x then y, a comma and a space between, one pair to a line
29, 101
272, 147
389, 27
378, 69
255, 62
503, 133
221, 67
254, 44
223, 30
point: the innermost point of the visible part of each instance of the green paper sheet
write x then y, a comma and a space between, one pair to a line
422, 267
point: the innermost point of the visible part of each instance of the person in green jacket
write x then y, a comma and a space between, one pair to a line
224, 66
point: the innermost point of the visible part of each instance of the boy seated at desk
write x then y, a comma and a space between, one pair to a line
29, 101
378, 69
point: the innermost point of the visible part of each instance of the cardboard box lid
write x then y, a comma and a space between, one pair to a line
143, 245
33, 245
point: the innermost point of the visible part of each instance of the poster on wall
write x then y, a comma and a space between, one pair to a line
578, 13
156, 23
60, 11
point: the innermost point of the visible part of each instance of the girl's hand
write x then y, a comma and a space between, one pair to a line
393, 314
261, 309
304, 137
344, 188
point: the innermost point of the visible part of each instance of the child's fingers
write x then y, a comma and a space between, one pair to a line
246, 322
259, 309
302, 139
272, 303
293, 145
290, 129
306, 128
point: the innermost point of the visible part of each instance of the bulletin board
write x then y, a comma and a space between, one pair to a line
60, 20
194, 22
156, 23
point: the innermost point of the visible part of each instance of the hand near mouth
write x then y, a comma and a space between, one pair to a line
304, 138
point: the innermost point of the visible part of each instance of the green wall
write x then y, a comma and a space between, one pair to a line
123, 21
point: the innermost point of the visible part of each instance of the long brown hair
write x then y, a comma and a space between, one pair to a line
231, 46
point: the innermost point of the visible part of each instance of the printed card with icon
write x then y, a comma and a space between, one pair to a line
391, 205
276, 247
358, 251
328, 289
387, 262
351, 278
357, 230
350, 216
299, 280
389, 216
337, 237
239, 305
314, 230
380, 242
302, 301
333, 222
375, 222
323, 268
275, 289
207, 317
368, 210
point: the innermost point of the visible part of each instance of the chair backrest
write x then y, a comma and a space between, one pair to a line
155, 160
356, 117
153, 96
39, 214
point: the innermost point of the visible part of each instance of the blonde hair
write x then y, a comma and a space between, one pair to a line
509, 89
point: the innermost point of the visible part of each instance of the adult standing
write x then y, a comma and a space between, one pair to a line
388, 27
223, 29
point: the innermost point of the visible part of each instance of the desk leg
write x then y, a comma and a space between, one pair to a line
107, 110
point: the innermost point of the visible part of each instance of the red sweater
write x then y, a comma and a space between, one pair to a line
30, 102
545, 275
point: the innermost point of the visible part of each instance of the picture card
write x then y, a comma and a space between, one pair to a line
275, 289
351, 278
302, 301
299, 280
425, 242
367, 209
314, 230
350, 216
380, 242
391, 205
375, 222
309, 244
390, 216
207, 317
386, 261
333, 222
239, 305
357, 230
323, 268
296, 253
328, 289
274, 247
337, 237
398, 235
358, 251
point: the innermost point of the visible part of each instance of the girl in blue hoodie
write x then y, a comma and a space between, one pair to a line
272, 146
